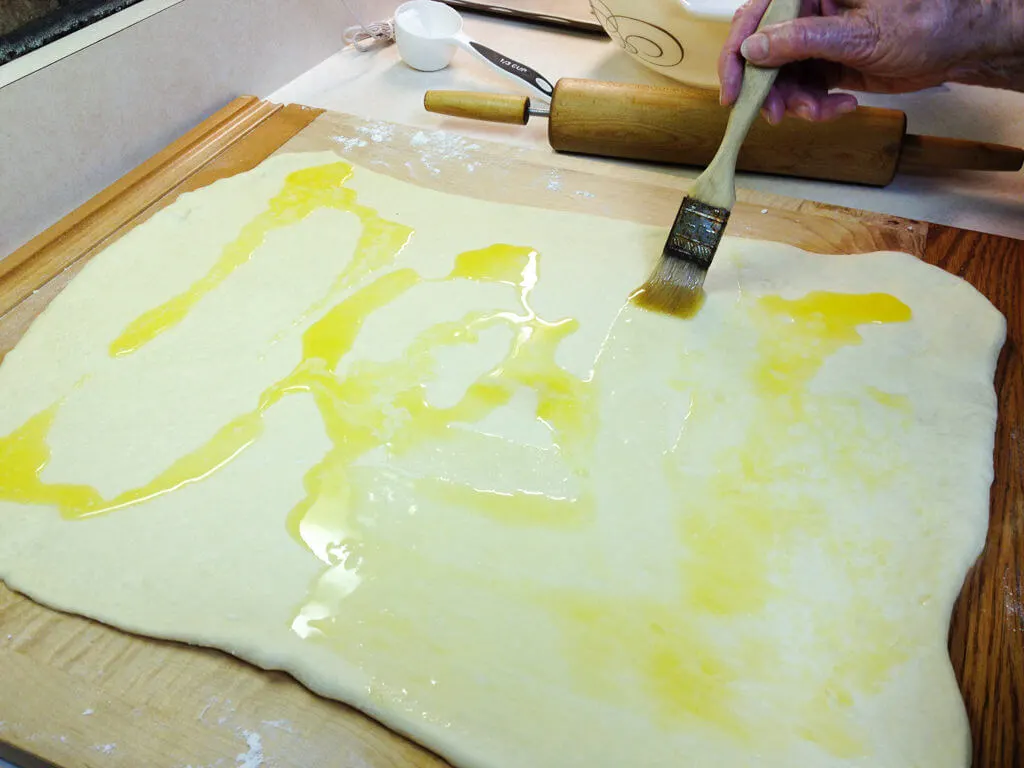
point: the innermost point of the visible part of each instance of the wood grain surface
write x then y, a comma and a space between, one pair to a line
685, 125
76, 693
987, 632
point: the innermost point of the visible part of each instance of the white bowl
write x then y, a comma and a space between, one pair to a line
678, 38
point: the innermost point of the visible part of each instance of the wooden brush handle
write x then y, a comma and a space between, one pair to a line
717, 185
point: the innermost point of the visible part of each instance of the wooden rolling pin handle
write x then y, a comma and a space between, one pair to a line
933, 153
492, 107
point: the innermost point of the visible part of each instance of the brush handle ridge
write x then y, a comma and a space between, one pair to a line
717, 185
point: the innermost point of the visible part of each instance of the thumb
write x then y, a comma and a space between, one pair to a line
848, 39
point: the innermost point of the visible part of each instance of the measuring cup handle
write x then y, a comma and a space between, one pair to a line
530, 77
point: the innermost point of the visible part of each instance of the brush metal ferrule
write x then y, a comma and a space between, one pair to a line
697, 231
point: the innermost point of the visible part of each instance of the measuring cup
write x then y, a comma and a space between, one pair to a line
428, 34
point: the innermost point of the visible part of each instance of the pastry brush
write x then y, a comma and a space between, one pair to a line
676, 284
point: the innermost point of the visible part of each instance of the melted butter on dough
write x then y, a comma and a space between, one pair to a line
730, 528
710, 549
304, 192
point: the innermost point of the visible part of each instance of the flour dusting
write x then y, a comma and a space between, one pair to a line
253, 758
378, 131
106, 749
439, 146
212, 700
555, 181
349, 143
230, 711
281, 725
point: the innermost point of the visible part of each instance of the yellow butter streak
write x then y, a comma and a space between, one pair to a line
816, 326
613, 641
889, 399
373, 404
512, 507
23, 456
305, 191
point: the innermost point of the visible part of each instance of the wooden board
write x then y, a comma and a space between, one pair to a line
77, 693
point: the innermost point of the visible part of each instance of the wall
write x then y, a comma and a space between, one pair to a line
75, 126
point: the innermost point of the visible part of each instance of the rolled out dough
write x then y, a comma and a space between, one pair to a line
419, 451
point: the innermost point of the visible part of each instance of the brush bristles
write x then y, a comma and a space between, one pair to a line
674, 287
676, 284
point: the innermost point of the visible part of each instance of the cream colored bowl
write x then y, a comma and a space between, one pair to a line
677, 38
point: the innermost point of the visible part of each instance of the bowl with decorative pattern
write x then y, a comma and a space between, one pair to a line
678, 38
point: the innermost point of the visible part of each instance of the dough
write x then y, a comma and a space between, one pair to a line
419, 451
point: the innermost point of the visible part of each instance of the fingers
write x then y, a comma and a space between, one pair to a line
849, 39
842, 36
816, 105
774, 106
730, 62
821, 109
804, 94
835, 105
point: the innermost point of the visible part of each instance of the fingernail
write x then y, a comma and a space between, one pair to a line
846, 107
804, 111
755, 47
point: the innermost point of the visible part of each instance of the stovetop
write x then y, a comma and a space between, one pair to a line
26, 25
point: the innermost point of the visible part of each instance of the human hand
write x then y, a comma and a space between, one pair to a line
882, 46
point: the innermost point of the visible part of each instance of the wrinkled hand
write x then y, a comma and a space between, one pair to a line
883, 46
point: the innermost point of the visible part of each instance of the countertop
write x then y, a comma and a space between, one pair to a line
378, 85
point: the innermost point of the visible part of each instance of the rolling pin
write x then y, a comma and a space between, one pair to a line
684, 125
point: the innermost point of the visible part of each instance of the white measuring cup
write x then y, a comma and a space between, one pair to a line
428, 33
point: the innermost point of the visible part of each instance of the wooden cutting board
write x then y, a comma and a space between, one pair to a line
77, 693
